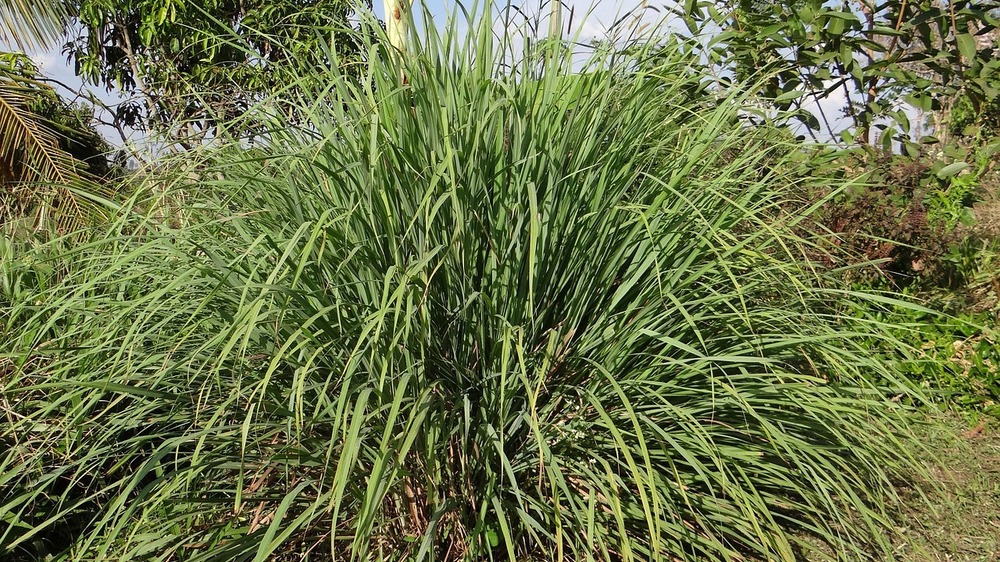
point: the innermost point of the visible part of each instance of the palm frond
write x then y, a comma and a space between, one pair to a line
34, 170
32, 24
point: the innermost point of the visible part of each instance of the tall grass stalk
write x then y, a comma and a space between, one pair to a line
547, 310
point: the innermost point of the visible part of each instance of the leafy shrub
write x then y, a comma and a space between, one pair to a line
965, 121
475, 313
907, 220
960, 363
955, 358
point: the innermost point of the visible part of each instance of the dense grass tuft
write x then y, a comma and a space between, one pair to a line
491, 312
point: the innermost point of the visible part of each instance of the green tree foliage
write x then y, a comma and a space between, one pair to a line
197, 64
974, 121
876, 56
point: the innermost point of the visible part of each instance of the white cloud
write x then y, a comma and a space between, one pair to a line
598, 18
45, 60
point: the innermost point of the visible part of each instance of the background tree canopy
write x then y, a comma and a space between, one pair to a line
196, 64
876, 56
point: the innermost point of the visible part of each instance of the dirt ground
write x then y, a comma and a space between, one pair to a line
961, 520
953, 515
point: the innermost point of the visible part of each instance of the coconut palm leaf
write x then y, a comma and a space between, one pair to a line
36, 173
32, 24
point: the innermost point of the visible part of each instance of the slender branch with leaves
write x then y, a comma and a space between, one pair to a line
867, 60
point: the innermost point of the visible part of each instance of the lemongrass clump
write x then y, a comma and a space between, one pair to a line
476, 306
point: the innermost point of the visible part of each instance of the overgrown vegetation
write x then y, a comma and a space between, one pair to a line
926, 226
493, 298
517, 314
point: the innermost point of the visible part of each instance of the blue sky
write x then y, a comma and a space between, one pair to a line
592, 17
